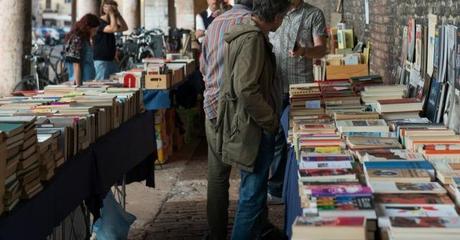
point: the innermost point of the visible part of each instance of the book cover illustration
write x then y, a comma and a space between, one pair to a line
391, 174
331, 221
325, 172
390, 154
418, 199
411, 39
326, 157
345, 203
416, 186
335, 190
420, 211
425, 222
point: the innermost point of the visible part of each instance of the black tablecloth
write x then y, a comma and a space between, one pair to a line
88, 176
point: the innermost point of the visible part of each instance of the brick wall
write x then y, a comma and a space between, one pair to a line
387, 19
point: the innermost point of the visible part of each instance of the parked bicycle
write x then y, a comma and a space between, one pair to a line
140, 44
47, 69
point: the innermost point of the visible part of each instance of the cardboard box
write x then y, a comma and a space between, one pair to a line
178, 74
157, 81
346, 71
188, 65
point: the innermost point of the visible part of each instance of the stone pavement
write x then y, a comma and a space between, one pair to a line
179, 212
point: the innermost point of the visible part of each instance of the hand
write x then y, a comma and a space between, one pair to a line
216, 13
298, 52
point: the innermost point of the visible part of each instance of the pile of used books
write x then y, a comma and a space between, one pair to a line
330, 187
374, 165
38, 133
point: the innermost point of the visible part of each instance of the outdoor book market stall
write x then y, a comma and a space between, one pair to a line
87, 177
90, 138
96, 138
369, 160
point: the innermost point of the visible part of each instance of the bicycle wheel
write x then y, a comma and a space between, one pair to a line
26, 84
61, 72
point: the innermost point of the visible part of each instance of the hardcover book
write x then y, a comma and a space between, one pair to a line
399, 175
418, 211
397, 187
411, 199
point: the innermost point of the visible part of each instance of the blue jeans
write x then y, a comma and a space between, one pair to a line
104, 69
252, 212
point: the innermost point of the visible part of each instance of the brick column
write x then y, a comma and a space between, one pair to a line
132, 14
12, 42
87, 6
381, 35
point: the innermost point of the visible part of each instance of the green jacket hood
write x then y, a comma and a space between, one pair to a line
241, 29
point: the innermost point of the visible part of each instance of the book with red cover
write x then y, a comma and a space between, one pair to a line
425, 222
331, 221
416, 199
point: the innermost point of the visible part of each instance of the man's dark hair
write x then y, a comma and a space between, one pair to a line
267, 10
247, 3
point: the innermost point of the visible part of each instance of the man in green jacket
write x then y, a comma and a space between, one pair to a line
249, 112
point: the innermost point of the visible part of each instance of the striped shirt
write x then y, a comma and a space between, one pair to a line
213, 53
302, 25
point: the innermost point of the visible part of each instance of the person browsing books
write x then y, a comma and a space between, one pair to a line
249, 112
300, 39
205, 18
111, 22
78, 49
212, 68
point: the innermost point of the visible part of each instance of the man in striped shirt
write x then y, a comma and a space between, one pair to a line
211, 66
300, 39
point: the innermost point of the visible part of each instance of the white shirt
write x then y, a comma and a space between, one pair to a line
200, 23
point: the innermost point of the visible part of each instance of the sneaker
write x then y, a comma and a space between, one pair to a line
274, 200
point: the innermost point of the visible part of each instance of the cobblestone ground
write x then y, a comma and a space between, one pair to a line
182, 215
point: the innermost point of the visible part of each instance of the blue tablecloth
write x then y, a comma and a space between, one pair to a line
183, 94
157, 99
291, 187
87, 176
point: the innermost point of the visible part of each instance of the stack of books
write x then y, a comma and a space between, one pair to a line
39, 132
50, 155
399, 108
329, 182
372, 94
14, 141
29, 166
424, 228
316, 133
382, 155
363, 128
407, 173
305, 99
435, 144
359, 83
331, 228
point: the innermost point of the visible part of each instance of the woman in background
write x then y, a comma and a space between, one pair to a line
78, 49
105, 48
